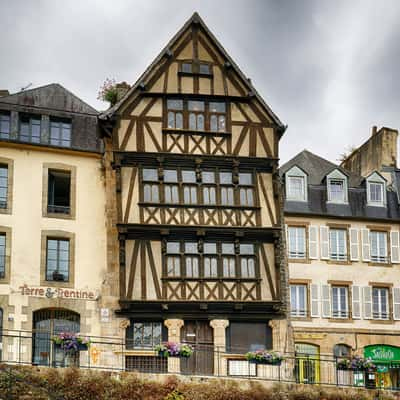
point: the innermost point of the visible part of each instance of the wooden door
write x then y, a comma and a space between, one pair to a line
199, 334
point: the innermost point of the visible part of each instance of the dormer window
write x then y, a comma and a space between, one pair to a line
337, 187
296, 185
376, 190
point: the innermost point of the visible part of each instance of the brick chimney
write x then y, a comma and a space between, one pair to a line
4, 92
378, 153
122, 89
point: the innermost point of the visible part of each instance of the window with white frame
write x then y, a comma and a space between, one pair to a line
376, 188
380, 303
378, 243
296, 184
297, 241
337, 187
340, 302
298, 300
337, 244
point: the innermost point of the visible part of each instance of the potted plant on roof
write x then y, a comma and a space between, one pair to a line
264, 357
108, 91
172, 349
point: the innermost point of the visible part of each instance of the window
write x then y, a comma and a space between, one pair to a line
297, 241
196, 115
337, 244
378, 243
150, 185
3, 185
187, 67
2, 255
189, 187
4, 126
341, 350
298, 300
209, 187
173, 259
29, 128
60, 133
380, 303
226, 185
210, 260
171, 188
246, 189
228, 260
248, 336
376, 190
296, 188
340, 303
57, 260
59, 192
204, 69
175, 115
247, 261
336, 190
144, 335
191, 260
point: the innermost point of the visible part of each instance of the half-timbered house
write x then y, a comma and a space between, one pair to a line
195, 227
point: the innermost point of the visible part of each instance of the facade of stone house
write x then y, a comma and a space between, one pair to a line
193, 203
342, 224
52, 221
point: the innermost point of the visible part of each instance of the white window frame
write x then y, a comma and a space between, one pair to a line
295, 310
376, 256
340, 256
296, 173
337, 176
376, 179
380, 301
342, 311
297, 253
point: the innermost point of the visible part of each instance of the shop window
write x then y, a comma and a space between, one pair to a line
307, 366
59, 192
248, 336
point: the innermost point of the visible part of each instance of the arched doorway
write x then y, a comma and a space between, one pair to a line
46, 323
340, 351
307, 367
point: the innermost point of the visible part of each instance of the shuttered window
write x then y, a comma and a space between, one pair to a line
378, 245
298, 300
297, 241
337, 244
340, 302
356, 302
380, 303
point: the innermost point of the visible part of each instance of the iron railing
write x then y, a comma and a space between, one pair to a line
111, 354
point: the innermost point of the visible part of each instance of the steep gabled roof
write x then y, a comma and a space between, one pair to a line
317, 168
194, 19
52, 96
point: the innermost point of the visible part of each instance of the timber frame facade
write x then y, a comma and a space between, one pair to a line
194, 198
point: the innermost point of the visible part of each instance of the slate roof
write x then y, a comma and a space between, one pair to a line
317, 168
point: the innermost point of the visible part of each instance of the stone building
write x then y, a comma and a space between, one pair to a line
194, 230
52, 221
342, 224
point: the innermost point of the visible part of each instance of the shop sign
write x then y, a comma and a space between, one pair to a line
382, 353
60, 293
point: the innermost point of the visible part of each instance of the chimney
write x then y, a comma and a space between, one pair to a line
378, 153
4, 92
122, 89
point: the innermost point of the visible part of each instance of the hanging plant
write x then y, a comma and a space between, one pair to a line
264, 357
171, 349
108, 91
71, 342
356, 363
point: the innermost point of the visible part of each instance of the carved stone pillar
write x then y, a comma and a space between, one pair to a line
281, 342
219, 326
174, 335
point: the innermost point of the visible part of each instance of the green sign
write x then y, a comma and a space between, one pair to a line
382, 353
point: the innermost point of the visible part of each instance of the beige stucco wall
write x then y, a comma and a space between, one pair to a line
27, 223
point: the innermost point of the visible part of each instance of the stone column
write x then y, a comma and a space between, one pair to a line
45, 129
219, 326
174, 335
14, 125
281, 342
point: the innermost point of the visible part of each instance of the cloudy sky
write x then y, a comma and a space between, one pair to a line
329, 69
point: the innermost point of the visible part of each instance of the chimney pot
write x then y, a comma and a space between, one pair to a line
4, 92
374, 130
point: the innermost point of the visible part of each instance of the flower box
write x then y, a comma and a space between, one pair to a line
356, 363
71, 342
264, 357
171, 349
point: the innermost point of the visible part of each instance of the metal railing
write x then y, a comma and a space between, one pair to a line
111, 354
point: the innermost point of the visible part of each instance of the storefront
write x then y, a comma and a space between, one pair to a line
387, 360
